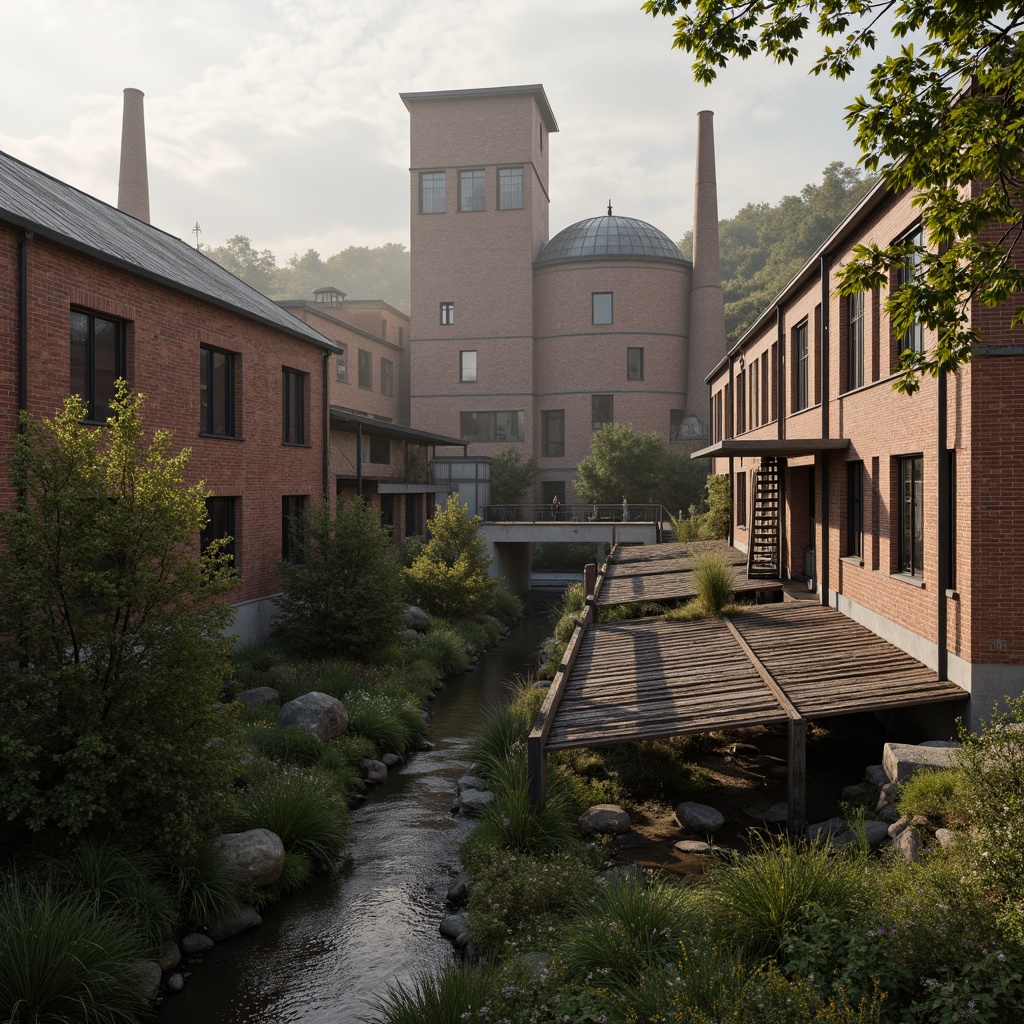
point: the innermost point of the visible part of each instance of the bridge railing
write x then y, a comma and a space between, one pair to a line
574, 514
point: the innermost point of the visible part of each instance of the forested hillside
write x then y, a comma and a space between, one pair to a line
764, 246
360, 272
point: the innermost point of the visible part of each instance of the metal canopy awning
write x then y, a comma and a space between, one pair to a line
342, 419
783, 448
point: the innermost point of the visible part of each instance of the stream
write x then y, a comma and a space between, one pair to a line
326, 954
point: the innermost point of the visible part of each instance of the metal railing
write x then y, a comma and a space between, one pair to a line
573, 514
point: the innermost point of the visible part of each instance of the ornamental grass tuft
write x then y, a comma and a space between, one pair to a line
454, 994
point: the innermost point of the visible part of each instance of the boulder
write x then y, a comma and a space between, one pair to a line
390, 760
901, 760
777, 814
875, 774
948, 744
319, 714
898, 826
458, 891
462, 939
258, 697
453, 926
408, 636
469, 782
909, 844
170, 955
195, 943
151, 975
241, 920
696, 817
473, 801
825, 831
945, 837
604, 820
374, 770
876, 833
253, 858
416, 618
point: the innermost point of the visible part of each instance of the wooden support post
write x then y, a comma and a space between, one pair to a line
537, 761
796, 814
589, 580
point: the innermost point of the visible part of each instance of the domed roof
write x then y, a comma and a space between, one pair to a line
610, 237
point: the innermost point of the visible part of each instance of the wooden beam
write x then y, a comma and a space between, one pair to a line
796, 810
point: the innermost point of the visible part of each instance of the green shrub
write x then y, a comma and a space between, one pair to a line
202, 887
343, 597
391, 722
286, 744
453, 995
473, 634
450, 577
630, 928
763, 894
506, 607
505, 730
713, 581
63, 959
935, 794
443, 647
308, 814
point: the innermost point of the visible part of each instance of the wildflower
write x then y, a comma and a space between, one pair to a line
613, 928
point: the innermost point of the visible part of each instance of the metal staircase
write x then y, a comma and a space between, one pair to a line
763, 551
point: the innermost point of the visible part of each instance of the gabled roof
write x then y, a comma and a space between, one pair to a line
56, 211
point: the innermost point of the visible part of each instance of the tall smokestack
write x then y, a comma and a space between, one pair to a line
133, 183
707, 304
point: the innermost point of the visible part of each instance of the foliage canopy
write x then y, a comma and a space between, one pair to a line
941, 117
512, 476
111, 636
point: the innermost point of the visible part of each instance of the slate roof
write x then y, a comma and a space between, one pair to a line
56, 211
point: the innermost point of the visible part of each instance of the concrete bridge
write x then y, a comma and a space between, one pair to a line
513, 531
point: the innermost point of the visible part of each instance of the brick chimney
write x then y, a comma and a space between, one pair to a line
133, 182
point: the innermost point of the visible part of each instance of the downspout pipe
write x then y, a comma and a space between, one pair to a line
325, 448
823, 561
359, 460
942, 487
23, 326
780, 373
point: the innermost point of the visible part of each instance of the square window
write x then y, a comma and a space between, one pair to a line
601, 307
467, 366
97, 361
447, 313
508, 426
341, 366
387, 377
601, 410
472, 191
365, 369
293, 507
634, 364
220, 525
432, 189
553, 433
377, 450
475, 426
216, 392
293, 406
510, 188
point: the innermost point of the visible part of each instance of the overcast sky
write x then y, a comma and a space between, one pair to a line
281, 119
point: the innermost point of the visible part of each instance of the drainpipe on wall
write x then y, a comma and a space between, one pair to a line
359, 460
942, 482
23, 325
823, 561
780, 375
326, 426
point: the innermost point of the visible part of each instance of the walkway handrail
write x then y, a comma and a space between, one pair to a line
576, 513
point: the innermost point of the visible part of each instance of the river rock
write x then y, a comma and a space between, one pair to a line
258, 697
453, 926
469, 782
458, 891
604, 820
876, 832
170, 955
319, 714
374, 770
195, 943
696, 817
823, 831
875, 774
151, 977
237, 921
857, 791
777, 814
695, 846
909, 844
945, 837
408, 636
390, 760
896, 827
253, 858
416, 618
473, 801
462, 939
175, 982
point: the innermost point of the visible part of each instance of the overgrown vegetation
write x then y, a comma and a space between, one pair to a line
708, 520
512, 477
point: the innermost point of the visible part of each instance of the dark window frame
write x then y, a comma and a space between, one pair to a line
639, 368
856, 315
482, 425
474, 198
210, 402
365, 359
595, 312
801, 366
741, 499
552, 448
387, 377
447, 314
341, 365
911, 515
376, 450
429, 196
855, 509
89, 389
221, 522
293, 507
293, 406
507, 192
467, 375
913, 337
597, 418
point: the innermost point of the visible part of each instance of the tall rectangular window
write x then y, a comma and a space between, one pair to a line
293, 406
97, 360
432, 188
216, 392
472, 191
912, 515
553, 433
601, 308
384, 330
341, 365
767, 385
801, 368
855, 509
220, 525
741, 403
634, 364
602, 410
510, 188
292, 508
741, 499
365, 369
913, 337
854, 341
755, 393
387, 376
447, 312
467, 366
951, 550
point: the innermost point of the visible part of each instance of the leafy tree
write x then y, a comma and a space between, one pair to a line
942, 118
450, 577
238, 255
112, 641
764, 247
625, 461
711, 522
512, 476
343, 598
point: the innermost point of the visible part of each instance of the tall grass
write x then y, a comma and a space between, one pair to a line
453, 995
64, 960
391, 722
506, 607
444, 649
713, 581
203, 890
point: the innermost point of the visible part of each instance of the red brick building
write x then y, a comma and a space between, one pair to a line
900, 511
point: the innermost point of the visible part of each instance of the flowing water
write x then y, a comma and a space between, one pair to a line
325, 955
